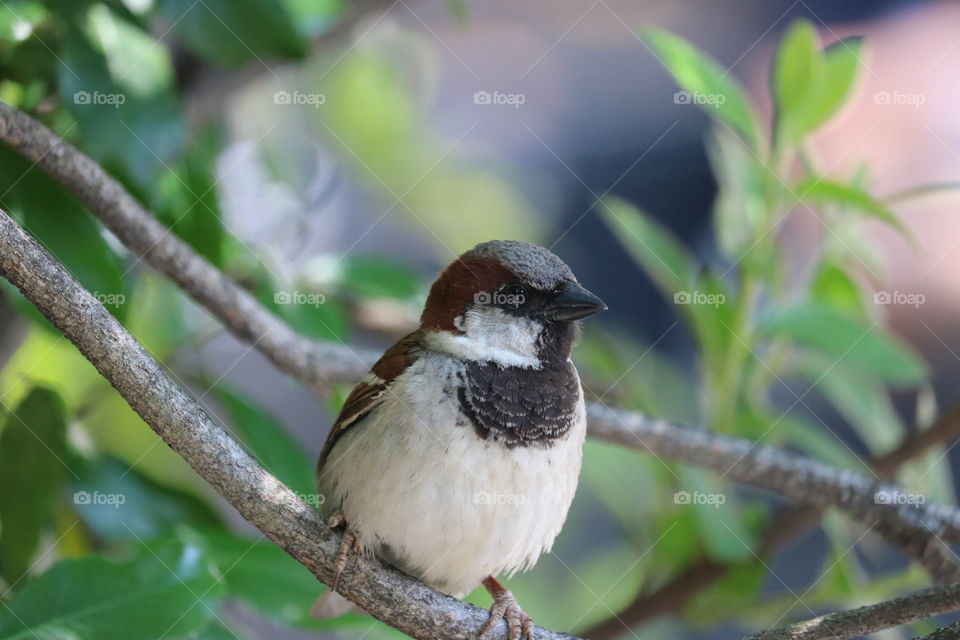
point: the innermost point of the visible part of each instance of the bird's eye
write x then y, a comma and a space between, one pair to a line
514, 295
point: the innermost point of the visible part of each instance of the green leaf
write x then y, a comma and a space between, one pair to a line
833, 287
699, 74
797, 78
723, 530
815, 439
823, 191
654, 248
262, 576
842, 61
269, 443
861, 401
308, 312
66, 230
185, 197
133, 134
810, 85
848, 344
740, 209
115, 501
234, 32
32, 469
374, 277
93, 598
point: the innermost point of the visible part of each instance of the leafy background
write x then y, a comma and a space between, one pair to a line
329, 169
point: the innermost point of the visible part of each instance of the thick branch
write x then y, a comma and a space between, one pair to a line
313, 363
871, 618
387, 594
785, 526
920, 530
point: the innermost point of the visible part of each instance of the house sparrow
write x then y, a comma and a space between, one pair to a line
456, 458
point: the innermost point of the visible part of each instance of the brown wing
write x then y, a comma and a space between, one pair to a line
370, 391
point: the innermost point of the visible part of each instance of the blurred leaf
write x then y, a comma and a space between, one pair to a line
833, 287
186, 197
697, 73
232, 32
269, 442
735, 591
375, 277
848, 344
842, 61
133, 135
262, 575
817, 441
313, 17
810, 85
66, 230
93, 598
740, 210
214, 631
32, 469
863, 403
308, 312
723, 530
115, 501
654, 248
798, 73
833, 193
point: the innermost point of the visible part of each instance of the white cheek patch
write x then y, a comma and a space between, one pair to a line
491, 335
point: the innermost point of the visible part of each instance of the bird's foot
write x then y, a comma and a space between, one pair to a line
505, 606
349, 546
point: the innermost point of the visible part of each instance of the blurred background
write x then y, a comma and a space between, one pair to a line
333, 156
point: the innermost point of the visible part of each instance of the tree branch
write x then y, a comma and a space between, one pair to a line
787, 525
181, 422
916, 530
871, 618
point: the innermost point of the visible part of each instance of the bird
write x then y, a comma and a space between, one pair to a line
456, 458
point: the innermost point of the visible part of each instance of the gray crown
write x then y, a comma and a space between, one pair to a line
530, 262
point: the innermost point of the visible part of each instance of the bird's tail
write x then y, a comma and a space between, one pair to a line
331, 604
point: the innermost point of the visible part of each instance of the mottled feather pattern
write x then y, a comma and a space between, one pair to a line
519, 406
369, 392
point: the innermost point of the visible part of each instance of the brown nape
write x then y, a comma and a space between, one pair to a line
456, 288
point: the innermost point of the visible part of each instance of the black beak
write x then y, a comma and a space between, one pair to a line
573, 303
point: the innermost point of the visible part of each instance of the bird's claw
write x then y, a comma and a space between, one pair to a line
506, 607
349, 546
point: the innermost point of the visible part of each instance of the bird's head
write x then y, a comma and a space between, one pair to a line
507, 302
